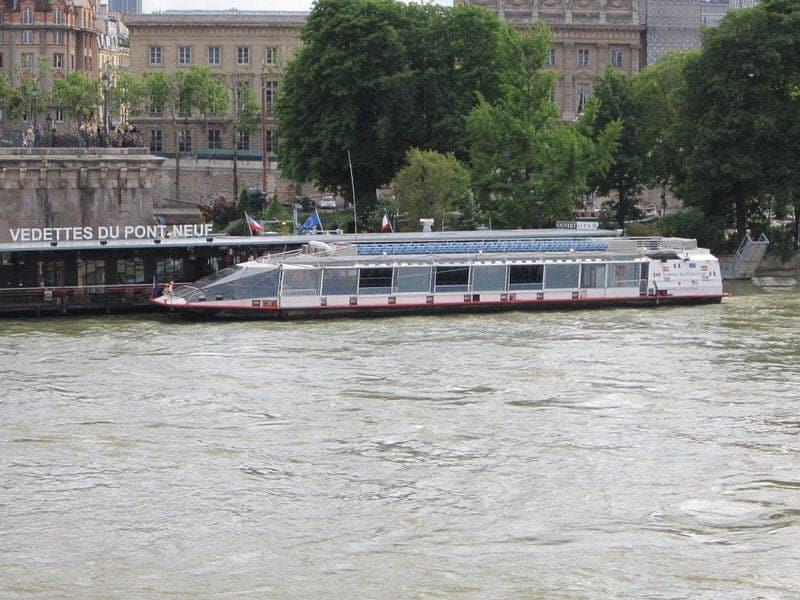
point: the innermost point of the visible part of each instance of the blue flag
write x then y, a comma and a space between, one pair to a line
311, 223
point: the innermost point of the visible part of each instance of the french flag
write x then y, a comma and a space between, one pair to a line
254, 225
385, 224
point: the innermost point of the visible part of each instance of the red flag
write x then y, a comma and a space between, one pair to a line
254, 225
386, 225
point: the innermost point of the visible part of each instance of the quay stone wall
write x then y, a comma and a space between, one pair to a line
76, 187
203, 180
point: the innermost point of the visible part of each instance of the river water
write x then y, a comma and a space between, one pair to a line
579, 454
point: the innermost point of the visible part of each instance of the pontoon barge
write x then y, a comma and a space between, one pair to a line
322, 280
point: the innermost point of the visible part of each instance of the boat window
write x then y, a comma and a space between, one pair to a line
623, 275
561, 276
593, 276
375, 281
257, 283
486, 278
216, 276
339, 282
301, 282
525, 277
452, 279
413, 279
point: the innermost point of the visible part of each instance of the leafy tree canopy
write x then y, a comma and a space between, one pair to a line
528, 166
742, 108
77, 94
430, 185
378, 77
616, 104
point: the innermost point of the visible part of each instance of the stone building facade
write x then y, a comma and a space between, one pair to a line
588, 36
252, 47
113, 52
674, 25
62, 32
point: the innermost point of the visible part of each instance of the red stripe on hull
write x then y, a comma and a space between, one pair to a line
198, 308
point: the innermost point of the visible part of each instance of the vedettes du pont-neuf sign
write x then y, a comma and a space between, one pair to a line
108, 232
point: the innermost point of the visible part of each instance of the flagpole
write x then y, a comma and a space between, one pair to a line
319, 221
353, 188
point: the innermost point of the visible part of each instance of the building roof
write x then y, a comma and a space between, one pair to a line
210, 18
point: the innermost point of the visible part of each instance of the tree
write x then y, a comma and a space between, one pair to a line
77, 95
616, 103
660, 92
527, 165
430, 185
127, 95
376, 78
208, 94
742, 108
23, 94
245, 116
170, 93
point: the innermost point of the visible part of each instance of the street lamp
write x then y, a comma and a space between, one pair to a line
264, 157
106, 85
34, 94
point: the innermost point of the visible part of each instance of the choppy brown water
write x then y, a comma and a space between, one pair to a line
622, 452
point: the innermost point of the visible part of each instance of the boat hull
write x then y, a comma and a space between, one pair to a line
210, 310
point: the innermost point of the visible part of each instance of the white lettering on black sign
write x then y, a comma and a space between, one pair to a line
108, 232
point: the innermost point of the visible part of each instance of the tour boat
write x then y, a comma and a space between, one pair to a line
321, 279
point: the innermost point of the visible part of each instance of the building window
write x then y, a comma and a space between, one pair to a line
155, 55
58, 37
169, 269
214, 138
583, 57
27, 60
155, 109
271, 56
243, 143
72, 61
2, 16
58, 61
584, 91
271, 141
59, 115
58, 16
616, 58
27, 15
243, 55
270, 91
551, 58
1, 66
214, 55
91, 272
185, 55
27, 36
130, 270
156, 141
185, 140
1, 37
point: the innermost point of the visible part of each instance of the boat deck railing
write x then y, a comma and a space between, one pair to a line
651, 244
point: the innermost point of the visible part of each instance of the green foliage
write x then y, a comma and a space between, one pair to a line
248, 203
127, 95
527, 165
205, 92
275, 211
221, 212
616, 105
430, 185
378, 77
692, 223
659, 91
247, 117
740, 134
77, 94
23, 93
